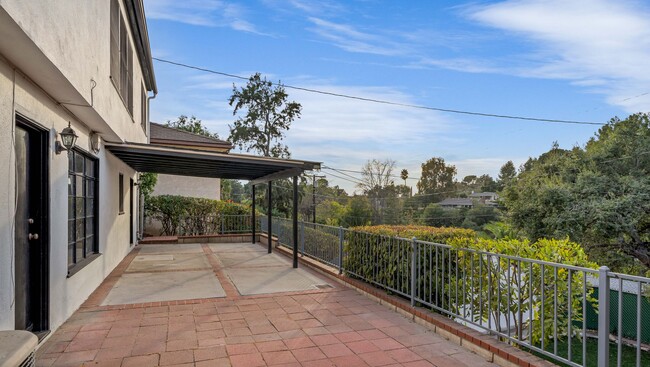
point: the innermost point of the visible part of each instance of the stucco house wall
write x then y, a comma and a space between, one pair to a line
196, 187
68, 45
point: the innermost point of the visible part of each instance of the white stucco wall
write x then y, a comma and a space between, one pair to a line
74, 35
197, 187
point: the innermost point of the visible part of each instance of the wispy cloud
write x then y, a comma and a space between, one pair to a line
593, 43
207, 13
349, 38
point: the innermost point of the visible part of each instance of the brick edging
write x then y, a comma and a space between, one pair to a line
486, 346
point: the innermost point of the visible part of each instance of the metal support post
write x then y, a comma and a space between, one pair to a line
269, 214
302, 238
414, 247
295, 221
603, 317
340, 250
253, 219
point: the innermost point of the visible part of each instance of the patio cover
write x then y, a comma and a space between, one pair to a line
201, 163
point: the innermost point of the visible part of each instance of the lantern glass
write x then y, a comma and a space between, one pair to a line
68, 137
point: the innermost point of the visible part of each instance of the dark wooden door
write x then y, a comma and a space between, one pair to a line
31, 229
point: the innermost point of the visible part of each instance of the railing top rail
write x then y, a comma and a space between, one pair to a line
629, 277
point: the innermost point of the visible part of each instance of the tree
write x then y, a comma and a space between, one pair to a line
437, 180
357, 213
376, 175
437, 216
267, 115
192, 125
404, 175
507, 173
598, 195
232, 190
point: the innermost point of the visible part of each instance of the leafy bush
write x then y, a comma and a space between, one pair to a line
194, 216
382, 254
514, 289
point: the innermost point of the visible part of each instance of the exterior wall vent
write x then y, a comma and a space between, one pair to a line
17, 348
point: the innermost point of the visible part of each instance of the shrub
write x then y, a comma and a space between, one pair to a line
194, 216
519, 286
382, 254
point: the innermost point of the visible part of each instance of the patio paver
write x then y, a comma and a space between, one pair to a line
320, 327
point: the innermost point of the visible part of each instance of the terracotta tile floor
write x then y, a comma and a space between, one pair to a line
329, 327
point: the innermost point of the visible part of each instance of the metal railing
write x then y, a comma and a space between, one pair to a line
567, 313
212, 225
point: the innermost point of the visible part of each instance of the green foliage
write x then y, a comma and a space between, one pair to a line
437, 216
330, 212
358, 212
192, 125
146, 183
507, 173
191, 216
232, 190
506, 286
382, 254
267, 116
437, 180
598, 195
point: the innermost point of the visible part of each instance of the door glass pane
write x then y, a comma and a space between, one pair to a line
70, 185
90, 168
90, 226
90, 188
79, 186
71, 212
80, 208
71, 254
71, 230
80, 250
80, 229
89, 245
90, 205
79, 163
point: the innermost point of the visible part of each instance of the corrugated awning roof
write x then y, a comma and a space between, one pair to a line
200, 163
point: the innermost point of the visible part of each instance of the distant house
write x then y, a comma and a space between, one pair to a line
199, 187
456, 203
487, 198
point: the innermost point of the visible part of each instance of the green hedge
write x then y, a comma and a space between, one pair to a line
193, 216
374, 253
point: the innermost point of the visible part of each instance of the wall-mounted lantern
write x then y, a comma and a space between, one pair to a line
68, 139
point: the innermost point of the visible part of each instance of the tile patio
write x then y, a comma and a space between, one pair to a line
321, 327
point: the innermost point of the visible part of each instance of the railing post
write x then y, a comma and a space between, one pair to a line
222, 226
414, 246
302, 238
603, 317
340, 250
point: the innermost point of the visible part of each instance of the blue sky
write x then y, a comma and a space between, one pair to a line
573, 60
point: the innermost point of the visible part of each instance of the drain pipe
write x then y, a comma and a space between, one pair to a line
141, 217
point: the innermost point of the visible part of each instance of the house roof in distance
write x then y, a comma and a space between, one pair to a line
165, 135
456, 202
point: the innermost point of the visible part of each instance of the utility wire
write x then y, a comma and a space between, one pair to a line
381, 101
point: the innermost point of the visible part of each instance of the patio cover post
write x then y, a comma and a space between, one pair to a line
295, 221
269, 214
253, 221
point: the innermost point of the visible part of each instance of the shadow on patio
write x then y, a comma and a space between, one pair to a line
237, 305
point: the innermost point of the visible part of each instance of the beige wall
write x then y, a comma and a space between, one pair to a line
69, 40
197, 187
74, 36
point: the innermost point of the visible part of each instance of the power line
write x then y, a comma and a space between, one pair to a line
381, 101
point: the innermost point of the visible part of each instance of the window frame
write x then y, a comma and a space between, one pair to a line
90, 251
121, 56
120, 193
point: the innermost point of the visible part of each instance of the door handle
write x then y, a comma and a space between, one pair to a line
32, 236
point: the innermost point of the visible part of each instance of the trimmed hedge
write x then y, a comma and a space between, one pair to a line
193, 216
376, 254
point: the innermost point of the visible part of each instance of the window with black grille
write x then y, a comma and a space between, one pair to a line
82, 207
